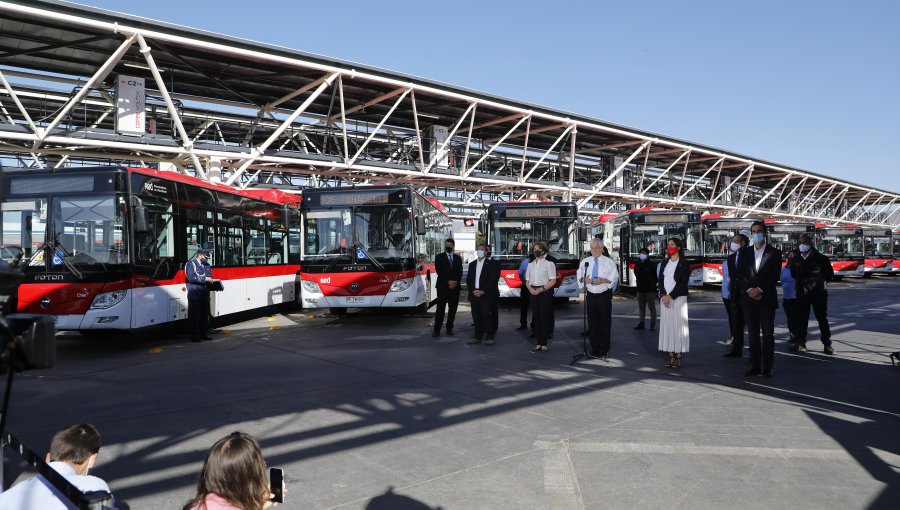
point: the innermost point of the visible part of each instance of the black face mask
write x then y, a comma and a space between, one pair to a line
538, 253
448, 249
487, 254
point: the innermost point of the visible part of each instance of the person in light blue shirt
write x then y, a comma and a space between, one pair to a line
789, 296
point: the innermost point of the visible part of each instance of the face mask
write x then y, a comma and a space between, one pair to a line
672, 251
805, 248
758, 238
642, 256
735, 246
479, 254
487, 254
538, 254
448, 249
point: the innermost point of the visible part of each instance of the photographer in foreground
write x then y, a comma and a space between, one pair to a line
73, 452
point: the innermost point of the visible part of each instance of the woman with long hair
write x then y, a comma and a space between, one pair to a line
233, 477
674, 336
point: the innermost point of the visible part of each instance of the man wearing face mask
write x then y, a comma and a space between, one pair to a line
731, 297
758, 268
540, 278
495, 309
448, 267
811, 271
645, 274
481, 282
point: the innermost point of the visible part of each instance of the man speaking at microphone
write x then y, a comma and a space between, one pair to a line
596, 275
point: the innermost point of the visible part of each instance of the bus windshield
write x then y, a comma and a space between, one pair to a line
878, 246
842, 245
67, 232
656, 237
514, 237
380, 232
718, 241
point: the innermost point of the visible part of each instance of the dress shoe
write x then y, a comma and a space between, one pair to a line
473, 341
828, 350
794, 347
754, 371
652, 326
520, 328
537, 349
449, 331
205, 338
768, 373
802, 347
733, 354
436, 334
640, 325
489, 341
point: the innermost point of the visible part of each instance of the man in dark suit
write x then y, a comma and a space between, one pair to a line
733, 303
448, 267
481, 283
758, 270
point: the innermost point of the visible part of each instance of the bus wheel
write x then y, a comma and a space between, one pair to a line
338, 311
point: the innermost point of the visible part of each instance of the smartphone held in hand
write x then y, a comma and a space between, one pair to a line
276, 484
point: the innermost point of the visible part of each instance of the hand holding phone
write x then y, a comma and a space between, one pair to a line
276, 484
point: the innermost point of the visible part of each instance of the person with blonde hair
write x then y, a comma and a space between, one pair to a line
233, 477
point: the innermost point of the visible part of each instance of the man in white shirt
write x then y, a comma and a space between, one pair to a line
596, 275
73, 452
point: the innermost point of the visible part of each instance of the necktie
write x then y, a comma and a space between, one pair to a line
594, 269
450, 258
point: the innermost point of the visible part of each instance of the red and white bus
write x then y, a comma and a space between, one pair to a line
627, 233
514, 227
718, 231
785, 234
879, 251
844, 246
370, 247
105, 247
896, 251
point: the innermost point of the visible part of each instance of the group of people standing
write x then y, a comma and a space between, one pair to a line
751, 274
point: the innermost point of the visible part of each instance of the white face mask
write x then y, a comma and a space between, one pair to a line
643, 256
479, 254
735, 246
805, 248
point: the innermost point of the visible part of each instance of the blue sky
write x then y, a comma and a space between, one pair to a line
815, 85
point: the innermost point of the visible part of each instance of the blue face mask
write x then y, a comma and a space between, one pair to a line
758, 238
643, 256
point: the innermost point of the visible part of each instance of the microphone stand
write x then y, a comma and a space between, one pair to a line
585, 353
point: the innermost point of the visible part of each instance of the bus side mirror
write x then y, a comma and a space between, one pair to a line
140, 219
482, 227
420, 225
584, 233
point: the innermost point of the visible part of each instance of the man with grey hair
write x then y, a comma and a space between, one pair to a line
596, 275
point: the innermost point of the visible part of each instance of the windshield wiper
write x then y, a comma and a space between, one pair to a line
336, 260
53, 245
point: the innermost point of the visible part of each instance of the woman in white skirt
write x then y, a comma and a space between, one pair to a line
674, 337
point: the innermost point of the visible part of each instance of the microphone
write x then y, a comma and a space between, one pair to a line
586, 264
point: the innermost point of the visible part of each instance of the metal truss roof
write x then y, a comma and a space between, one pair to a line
254, 114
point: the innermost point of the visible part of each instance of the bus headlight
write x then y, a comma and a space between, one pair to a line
310, 286
696, 273
401, 285
712, 272
569, 280
107, 299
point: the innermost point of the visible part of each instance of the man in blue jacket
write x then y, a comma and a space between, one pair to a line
198, 274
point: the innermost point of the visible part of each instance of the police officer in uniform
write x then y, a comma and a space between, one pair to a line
198, 274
